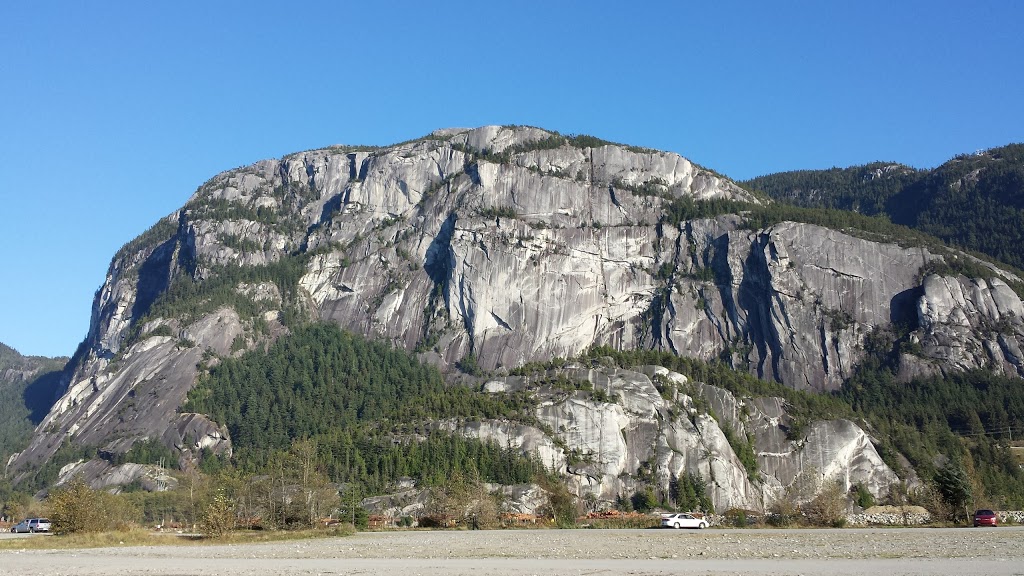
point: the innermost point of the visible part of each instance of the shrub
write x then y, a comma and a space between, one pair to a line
952, 483
828, 508
863, 496
469, 365
499, 212
76, 508
690, 492
219, 518
644, 500
435, 521
562, 506
783, 512
161, 330
741, 518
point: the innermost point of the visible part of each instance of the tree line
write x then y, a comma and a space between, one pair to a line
371, 408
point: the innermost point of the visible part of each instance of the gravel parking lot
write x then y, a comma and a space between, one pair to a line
860, 552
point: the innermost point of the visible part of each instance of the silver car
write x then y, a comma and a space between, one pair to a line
39, 524
32, 525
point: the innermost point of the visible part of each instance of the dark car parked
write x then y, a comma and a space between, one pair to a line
985, 518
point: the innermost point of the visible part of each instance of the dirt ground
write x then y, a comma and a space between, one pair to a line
854, 552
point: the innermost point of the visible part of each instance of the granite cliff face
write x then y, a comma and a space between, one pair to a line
612, 448
499, 246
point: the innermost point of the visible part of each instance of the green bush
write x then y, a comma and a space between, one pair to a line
643, 500
863, 496
828, 508
738, 517
219, 517
77, 508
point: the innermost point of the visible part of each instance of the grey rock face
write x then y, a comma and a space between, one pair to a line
609, 445
791, 302
492, 243
139, 398
969, 323
103, 476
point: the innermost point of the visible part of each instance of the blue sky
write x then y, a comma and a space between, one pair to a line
113, 113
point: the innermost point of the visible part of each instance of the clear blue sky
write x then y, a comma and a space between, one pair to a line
113, 113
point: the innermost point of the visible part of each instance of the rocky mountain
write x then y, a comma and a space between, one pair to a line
974, 200
485, 250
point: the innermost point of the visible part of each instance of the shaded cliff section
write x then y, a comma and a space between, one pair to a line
29, 386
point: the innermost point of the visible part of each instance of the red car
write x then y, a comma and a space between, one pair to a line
985, 518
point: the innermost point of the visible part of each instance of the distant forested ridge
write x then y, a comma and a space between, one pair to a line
27, 387
975, 201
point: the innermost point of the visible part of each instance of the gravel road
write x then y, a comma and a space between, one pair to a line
854, 552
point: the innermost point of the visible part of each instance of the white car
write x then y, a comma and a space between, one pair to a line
682, 520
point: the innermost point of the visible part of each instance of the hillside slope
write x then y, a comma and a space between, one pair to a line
975, 200
28, 387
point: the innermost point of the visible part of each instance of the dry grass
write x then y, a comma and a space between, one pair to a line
632, 522
141, 537
916, 510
